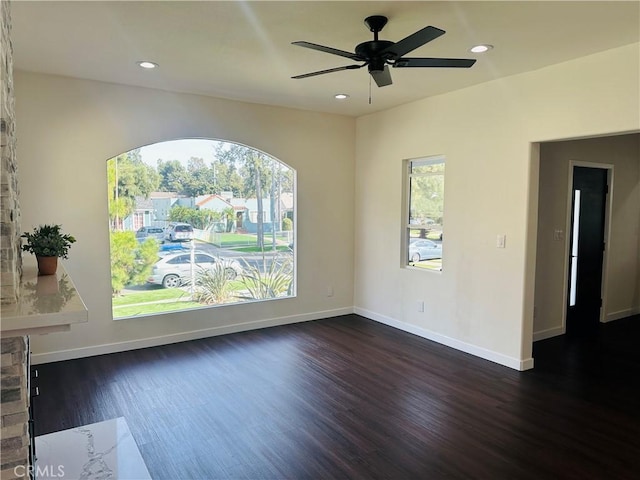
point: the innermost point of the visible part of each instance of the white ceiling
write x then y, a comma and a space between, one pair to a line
243, 51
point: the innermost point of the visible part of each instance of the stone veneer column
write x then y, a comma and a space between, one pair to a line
15, 408
10, 254
14, 394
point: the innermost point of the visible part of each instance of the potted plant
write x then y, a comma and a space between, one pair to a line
47, 243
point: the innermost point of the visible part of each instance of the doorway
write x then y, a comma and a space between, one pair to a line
587, 246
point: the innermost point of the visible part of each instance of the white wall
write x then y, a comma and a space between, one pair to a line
68, 128
622, 269
482, 302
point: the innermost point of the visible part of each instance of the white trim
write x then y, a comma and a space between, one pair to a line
182, 337
548, 333
610, 317
484, 353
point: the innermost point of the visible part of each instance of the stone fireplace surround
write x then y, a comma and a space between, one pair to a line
14, 349
23, 312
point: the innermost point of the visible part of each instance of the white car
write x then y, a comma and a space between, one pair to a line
178, 232
154, 232
174, 269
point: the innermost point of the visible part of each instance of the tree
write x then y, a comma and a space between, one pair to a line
226, 178
201, 219
251, 164
200, 178
131, 262
258, 171
127, 178
173, 176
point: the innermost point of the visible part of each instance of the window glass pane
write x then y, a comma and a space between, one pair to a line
169, 199
425, 201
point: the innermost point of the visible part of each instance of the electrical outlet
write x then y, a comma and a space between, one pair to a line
329, 291
420, 305
501, 241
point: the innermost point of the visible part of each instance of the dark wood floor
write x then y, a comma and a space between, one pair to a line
350, 398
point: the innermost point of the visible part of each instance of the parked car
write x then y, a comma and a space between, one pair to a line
174, 269
154, 232
178, 232
422, 249
167, 248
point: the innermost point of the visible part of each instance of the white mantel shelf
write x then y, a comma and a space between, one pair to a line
47, 304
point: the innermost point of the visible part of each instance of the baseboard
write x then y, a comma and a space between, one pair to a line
548, 333
484, 353
621, 314
70, 354
91, 351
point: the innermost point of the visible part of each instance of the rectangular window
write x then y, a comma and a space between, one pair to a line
424, 212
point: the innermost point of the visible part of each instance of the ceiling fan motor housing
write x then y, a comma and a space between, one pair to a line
370, 51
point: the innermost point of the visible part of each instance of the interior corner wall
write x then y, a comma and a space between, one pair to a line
622, 269
68, 128
482, 301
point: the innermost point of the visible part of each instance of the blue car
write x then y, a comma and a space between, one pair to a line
423, 249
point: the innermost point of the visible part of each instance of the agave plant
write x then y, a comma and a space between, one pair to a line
270, 283
213, 285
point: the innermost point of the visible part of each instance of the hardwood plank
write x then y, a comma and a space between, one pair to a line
350, 398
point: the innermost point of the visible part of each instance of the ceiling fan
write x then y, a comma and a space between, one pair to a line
377, 55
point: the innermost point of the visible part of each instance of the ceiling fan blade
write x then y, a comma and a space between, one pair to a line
382, 77
333, 51
434, 62
412, 42
331, 70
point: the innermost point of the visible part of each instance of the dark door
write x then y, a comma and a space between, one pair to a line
589, 199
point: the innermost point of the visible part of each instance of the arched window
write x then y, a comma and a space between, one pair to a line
197, 223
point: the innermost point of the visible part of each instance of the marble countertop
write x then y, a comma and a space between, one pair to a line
47, 304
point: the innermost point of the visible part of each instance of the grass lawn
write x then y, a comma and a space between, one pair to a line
157, 300
133, 310
149, 296
267, 248
429, 265
230, 239
243, 239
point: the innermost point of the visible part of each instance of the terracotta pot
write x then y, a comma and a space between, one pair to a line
47, 265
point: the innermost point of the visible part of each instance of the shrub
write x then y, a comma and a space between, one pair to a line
131, 262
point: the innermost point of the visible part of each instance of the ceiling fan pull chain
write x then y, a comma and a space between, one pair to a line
369, 89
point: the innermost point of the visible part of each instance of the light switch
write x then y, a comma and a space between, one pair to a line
558, 235
501, 241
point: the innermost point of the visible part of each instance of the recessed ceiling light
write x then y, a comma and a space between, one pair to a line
480, 48
341, 96
147, 65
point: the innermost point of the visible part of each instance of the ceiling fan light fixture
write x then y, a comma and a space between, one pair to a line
147, 65
341, 96
481, 48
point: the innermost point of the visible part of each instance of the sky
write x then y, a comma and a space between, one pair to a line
181, 150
